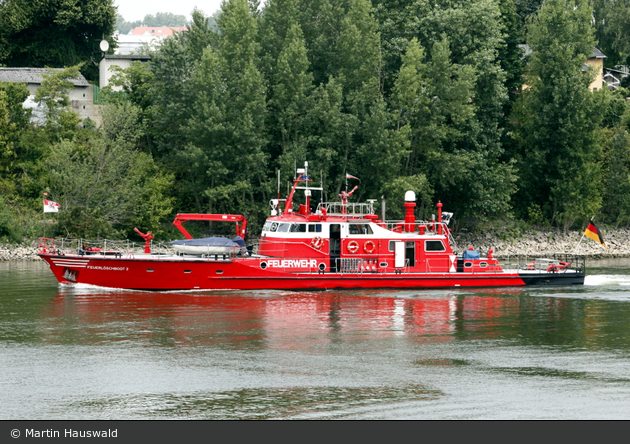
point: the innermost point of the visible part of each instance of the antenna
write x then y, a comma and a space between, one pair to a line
321, 183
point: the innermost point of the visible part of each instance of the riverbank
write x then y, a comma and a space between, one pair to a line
531, 244
22, 252
541, 243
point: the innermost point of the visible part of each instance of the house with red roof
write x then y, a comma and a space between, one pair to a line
157, 30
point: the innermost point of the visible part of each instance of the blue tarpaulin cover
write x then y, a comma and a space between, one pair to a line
470, 254
209, 242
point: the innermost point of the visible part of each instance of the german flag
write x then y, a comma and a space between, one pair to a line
593, 232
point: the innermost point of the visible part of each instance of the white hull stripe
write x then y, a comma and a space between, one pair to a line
70, 263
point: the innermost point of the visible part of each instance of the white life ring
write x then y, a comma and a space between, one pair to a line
317, 242
353, 246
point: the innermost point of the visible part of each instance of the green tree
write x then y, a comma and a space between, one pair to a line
510, 54
199, 35
479, 47
52, 96
55, 33
433, 99
558, 117
278, 16
616, 196
612, 25
13, 121
134, 82
172, 96
357, 59
7, 135
123, 26
9, 229
227, 125
332, 132
527, 8
397, 24
292, 86
105, 188
164, 19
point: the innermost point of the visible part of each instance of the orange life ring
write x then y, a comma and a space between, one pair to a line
353, 246
317, 242
369, 246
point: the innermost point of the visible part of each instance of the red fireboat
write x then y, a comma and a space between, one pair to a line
339, 245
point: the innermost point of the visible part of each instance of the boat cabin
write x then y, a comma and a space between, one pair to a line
349, 237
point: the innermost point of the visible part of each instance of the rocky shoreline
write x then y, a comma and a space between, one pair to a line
543, 243
21, 252
532, 243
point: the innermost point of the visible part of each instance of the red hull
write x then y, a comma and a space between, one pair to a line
245, 274
341, 245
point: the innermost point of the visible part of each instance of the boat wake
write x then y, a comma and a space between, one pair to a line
80, 289
621, 280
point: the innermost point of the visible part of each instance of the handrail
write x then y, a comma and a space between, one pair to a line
348, 209
542, 262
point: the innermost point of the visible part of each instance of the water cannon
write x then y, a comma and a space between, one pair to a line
148, 237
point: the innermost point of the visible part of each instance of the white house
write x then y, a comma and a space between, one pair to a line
121, 60
81, 95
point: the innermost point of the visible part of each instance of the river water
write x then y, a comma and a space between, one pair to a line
511, 353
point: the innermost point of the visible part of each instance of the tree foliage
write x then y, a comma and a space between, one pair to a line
55, 33
612, 25
559, 117
424, 95
157, 20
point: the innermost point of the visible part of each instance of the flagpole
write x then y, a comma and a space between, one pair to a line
576, 247
44, 219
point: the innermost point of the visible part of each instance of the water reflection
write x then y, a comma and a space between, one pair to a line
93, 353
275, 403
298, 320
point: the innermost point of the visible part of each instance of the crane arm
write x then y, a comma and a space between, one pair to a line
240, 228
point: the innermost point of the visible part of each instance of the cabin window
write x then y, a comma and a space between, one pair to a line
284, 228
391, 246
314, 228
267, 226
298, 228
360, 229
434, 245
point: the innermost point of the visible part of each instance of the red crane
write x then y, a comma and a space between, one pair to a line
240, 228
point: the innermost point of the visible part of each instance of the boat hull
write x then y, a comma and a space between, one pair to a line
576, 278
246, 274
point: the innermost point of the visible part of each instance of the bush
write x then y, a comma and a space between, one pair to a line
9, 227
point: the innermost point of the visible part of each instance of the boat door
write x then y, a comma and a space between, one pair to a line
335, 246
399, 254
410, 253
435, 257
